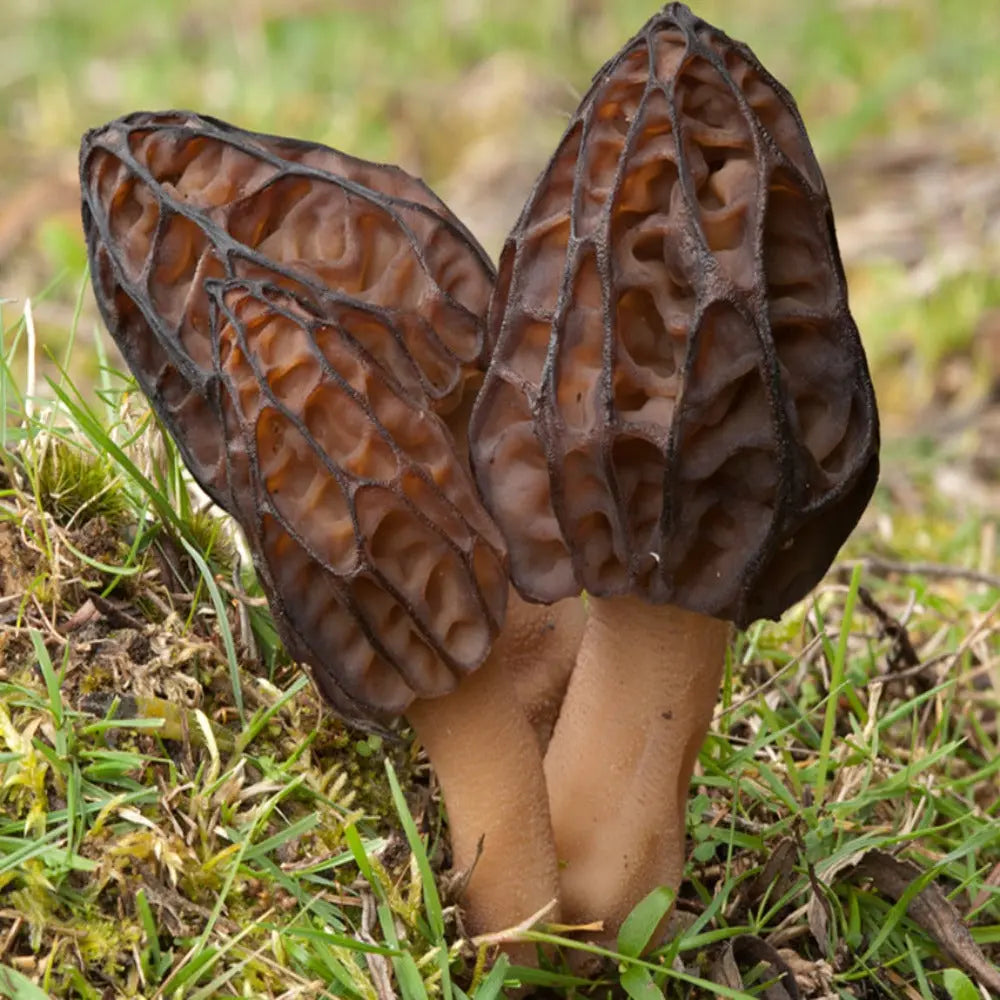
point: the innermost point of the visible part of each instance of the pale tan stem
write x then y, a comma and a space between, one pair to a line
618, 768
488, 762
541, 645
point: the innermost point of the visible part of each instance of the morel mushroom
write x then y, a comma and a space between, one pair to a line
385, 574
301, 322
677, 418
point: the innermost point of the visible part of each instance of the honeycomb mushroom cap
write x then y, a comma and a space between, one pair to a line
173, 200
301, 320
384, 571
678, 405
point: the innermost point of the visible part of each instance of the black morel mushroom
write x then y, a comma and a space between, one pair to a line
304, 324
678, 418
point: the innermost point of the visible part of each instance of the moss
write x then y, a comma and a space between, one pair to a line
105, 944
74, 484
212, 537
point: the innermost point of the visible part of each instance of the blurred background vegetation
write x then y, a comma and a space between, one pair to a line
902, 99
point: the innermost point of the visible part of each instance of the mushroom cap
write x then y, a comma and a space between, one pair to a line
678, 405
383, 570
172, 200
300, 320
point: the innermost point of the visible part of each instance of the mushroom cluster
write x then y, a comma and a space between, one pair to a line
661, 401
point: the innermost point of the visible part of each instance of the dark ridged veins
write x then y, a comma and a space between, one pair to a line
304, 323
678, 405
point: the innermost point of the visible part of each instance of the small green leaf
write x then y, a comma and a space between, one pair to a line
357, 848
491, 986
639, 926
638, 983
959, 985
703, 851
18, 987
148, 922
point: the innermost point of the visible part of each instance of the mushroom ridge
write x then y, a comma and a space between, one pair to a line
678, 405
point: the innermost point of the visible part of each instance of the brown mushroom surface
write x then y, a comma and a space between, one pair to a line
677, 418
385, 574
303, 323
172, 200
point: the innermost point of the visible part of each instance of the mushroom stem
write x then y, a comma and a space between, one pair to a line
540, 654
621, 757
489, 765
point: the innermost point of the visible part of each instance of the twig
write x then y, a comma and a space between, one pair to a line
803, 653
934, 571
116, 616
514, 933
15, 928
378, 965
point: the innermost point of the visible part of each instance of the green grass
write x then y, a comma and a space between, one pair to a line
179, 817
